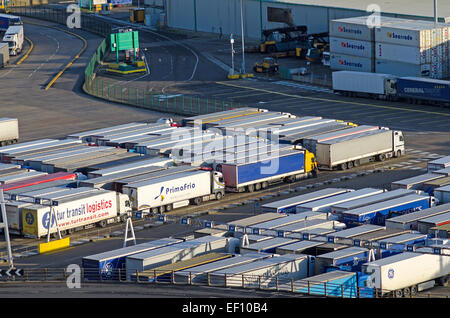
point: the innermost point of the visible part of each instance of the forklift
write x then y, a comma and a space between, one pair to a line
313, 46
269, 65
282, 39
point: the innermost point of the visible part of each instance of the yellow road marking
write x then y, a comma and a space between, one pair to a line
73, 60
28, 52
331, 100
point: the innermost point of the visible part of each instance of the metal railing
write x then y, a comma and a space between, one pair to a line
271, 283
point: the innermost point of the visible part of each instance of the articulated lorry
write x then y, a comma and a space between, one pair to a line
9, 131
354, 146
14, 37
75, 213
390, 87
176, 190
256, 173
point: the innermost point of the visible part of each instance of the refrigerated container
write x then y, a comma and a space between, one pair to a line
425, 224
9, 130
442, 194
438, 164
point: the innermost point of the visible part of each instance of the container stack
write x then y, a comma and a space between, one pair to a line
413, 48
352, 44
399, 47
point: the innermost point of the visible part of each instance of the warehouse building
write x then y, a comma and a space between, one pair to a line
223, 16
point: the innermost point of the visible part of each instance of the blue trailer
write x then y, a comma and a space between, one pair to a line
400, 243
7, 20
378, 213
106, 265
336, 283
259, 172
423, 89
350, 258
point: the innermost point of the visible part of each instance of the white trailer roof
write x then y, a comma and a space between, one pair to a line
343, 253
437, 219
403, 238
372, 199
256, 219
268, 244
418, 179
358, 230
414, 216
288, 219
131, 166
299, 199
268, 262
385, 205
344, 197
347, 132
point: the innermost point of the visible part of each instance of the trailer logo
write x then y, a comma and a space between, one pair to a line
348, 30
346, 63
390, 273
160, 194
348, 45
29, 218
393, 35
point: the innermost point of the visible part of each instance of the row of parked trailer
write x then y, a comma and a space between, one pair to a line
161, 166
306, 265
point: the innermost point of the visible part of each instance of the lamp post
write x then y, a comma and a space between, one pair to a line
232, 54
242, 35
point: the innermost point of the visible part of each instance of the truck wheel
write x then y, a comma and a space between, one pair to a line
406, 292
198, 201
350, 164
219, 196
70, 231
343, 166
381, 157
155, 210
102, 223
265, 185
414, 290
257, 186
251, 188
398, 293
162, 209
357, 163
169, 207
443, 281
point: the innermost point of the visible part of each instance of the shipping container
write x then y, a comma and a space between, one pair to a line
346, 46
107, 264
263, 273
361, 82
442, 194
200, 274
400, 53
402, 69
324, 205
378, 213
171, 254
289, 205
358, 27
409, 221
339, 61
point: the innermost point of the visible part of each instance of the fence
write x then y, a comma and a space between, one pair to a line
118, 91
263, 282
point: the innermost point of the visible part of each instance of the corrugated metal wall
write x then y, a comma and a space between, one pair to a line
215, 15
